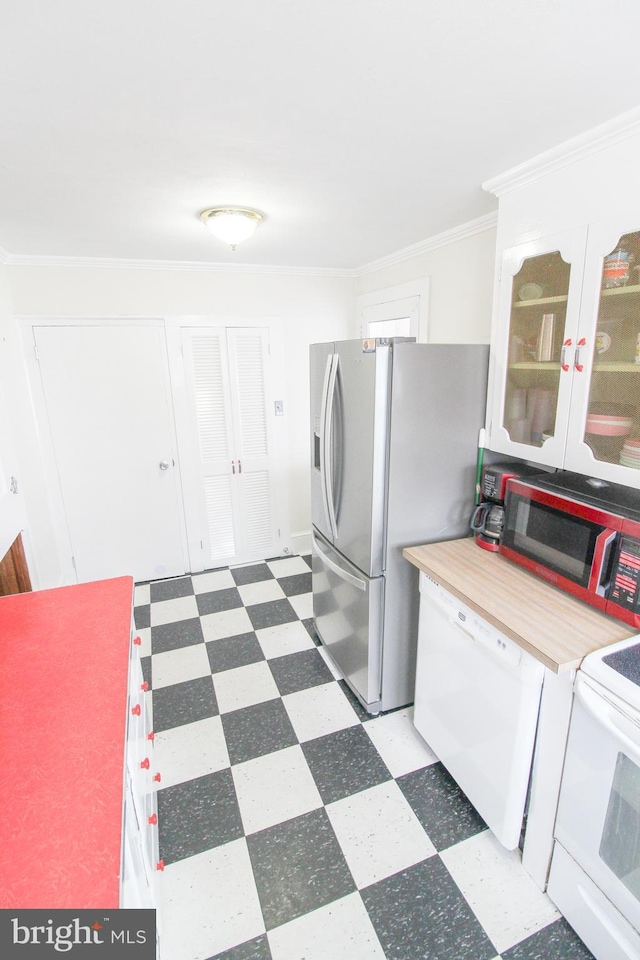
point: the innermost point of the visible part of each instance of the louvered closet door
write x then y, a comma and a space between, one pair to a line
226, 379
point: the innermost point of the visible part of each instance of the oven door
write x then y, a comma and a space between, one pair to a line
599, 812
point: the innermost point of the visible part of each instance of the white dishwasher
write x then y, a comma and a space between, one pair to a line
476, 704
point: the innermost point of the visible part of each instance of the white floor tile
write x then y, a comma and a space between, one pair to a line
340, 931
399, 743
379, 833
501, 893
189, 751
227, 623
175, 666
274, 788
145, 635
319, 710
169, 611
244, 686
209, 903
142, 595
260, 592
213, 580
283, 639
288, 566
303, 605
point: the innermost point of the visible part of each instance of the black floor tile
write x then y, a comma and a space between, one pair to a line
271, 614
198, 815
441, 806
171, 589
257, 949
557, 941
251, 574
145, 663
307, 559
142, 616
218, 600
230, 652
257, 730
298, 671
295, 585
184, 703
298, 866
420, 913
172, 636
343, 763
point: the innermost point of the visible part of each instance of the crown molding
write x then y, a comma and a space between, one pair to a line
577, 148
469, 229
113, 263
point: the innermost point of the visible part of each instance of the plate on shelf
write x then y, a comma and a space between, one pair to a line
530, 291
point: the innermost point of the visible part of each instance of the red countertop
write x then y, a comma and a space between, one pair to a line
64, 657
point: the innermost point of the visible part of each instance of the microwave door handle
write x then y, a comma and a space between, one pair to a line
604, 545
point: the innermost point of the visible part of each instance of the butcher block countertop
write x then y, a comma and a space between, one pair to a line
551, 625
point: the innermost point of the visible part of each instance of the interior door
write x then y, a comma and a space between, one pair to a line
231, 512
109, 413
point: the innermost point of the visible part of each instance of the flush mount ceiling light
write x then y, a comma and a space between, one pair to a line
231, 224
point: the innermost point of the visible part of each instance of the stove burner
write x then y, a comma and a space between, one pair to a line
626, 662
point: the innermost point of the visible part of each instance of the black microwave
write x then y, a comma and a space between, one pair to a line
581, 534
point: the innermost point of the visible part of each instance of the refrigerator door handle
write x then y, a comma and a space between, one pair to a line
326, 442
343, 574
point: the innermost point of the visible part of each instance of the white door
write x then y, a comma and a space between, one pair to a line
109, 412
232, 512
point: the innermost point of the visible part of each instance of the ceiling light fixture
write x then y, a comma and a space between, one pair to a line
231, 224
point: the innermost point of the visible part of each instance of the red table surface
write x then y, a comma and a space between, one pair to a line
63, 698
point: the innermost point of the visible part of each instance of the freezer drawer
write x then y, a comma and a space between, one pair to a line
348, 614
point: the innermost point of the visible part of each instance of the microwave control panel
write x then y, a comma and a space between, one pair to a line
625, 580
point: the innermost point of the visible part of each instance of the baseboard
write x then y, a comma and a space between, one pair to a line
301, 543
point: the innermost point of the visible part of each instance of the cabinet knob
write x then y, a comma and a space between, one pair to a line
137, 641
137, 710
151, 736
144, 686
153, 819
576, 361
144, 764
160, 865
563, 355
157, 777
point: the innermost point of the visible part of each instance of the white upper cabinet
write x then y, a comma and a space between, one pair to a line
565, 367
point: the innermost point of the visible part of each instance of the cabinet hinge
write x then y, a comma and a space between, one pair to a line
13, 485
73, 561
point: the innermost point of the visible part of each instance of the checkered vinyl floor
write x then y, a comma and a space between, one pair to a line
293, 825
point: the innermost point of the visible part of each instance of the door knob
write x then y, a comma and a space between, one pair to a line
164, 464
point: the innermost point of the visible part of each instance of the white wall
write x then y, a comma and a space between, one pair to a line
310, 309
460, 286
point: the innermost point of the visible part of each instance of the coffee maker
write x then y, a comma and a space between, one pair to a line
487, 520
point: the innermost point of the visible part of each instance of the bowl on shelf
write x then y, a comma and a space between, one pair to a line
530, 291
608, 426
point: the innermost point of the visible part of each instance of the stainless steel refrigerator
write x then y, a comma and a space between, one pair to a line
394, 434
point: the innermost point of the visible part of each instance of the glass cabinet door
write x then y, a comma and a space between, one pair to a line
539, 323
607, 400
610, 426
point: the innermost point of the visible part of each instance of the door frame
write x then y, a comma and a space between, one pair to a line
279, 468
48, 463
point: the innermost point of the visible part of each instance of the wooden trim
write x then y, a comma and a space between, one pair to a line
14, 572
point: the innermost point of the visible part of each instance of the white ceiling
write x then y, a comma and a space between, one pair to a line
358, 127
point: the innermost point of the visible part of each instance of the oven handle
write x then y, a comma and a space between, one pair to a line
623, 726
